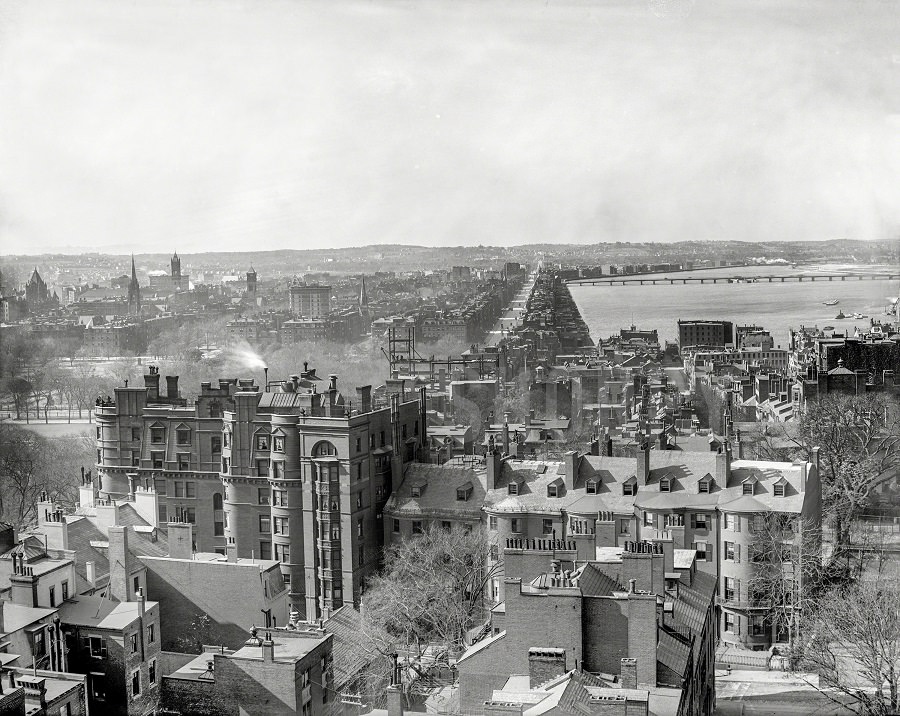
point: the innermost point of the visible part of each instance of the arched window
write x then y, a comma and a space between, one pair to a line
217, 501
324, 449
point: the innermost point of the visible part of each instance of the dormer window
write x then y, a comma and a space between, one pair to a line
278, 443
590, 487
665, 485
464, 492
705, 485
749, 486
513, 488
555, 489
417, 489
629, 489
779, 488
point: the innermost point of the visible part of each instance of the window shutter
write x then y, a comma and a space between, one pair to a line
693, 521
737, 552
737, 523
737, 590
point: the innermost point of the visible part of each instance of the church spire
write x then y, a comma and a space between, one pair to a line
134, 291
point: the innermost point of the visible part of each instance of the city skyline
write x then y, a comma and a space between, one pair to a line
329, 126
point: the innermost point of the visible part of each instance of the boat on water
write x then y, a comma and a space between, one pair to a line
840, 316
831, 302
858, 315
828, 328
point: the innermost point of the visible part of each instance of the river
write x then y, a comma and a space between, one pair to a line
777, 307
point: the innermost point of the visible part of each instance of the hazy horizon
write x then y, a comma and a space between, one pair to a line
204, 126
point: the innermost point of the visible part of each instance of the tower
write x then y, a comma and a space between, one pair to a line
363, 300
251, 283
176, 268
134, 292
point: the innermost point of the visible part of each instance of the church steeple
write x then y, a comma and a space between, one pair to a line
176, 266
134, 292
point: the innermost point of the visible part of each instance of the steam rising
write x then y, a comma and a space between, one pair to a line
243, 356
278, 124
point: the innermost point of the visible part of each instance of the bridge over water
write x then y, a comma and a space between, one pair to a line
672, 280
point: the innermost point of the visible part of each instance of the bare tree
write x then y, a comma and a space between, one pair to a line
854, 645
859, 441
787, 572
431, 593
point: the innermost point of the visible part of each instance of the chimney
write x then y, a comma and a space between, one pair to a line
644, 563
394, 701
530, 417
268, 649
106, 513
605, 530
23, 584
505, 433
364, 398
668, 550
609, 446
628, 673
119, 563
642, 472
723, 465
151, 382
55, 529
142, 603
573, 462
643, 636
181, 540
815, 461
494, 468
332, 384
231, 552
146, 504
545, 664
90, 573
172, 386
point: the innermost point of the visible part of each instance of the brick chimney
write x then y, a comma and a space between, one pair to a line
644, 562
643, 636
364, 398
494, 464
171, 386
545, 664
605, 530
628, 673
268, 649
642, 471
119, 564
573, 462
23, 583
394, 701
723, 465
151, 382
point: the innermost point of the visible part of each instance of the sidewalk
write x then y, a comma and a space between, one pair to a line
771, 693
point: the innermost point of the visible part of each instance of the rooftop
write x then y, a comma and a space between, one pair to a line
100, 612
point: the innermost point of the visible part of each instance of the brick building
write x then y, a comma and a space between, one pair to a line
310, 300
152, 440
655, 633
307, 474
279, 672
705, 333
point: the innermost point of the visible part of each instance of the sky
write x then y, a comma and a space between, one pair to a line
264, 124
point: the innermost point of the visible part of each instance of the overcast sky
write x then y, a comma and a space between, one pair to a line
265, 124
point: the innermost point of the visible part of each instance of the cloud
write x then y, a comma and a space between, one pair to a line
201, 125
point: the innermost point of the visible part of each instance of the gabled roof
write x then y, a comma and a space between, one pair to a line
745, 503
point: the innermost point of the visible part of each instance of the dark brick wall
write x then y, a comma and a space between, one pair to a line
605, 634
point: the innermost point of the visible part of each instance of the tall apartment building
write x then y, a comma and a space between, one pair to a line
146, 439
307, 474
310, 300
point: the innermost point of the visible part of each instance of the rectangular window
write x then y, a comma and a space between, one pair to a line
215, 444
359, 528
136, 682
262, 442
278, 444
152, 671
135, 435
629, 489
446, 526
133, 640
779, 490
279, 498
97, 646
163, 513
731, 551
156, 459
179, 489
265, 524
624, 526
157, 435
730, 623
495, 553
702, 551
281, 525
757, 625
396, 526
151, 633
648, 519
98, 686
730, 589
265, 550
262, 468
183, 437
190, 515
417, 527
190, 489
547, 527
278, 470
492, 522
358, 444
283, 552
65, 589
515, 525
362, 554
590, 487
700, 521
748, 488
184, 461
262, 495
52, 596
